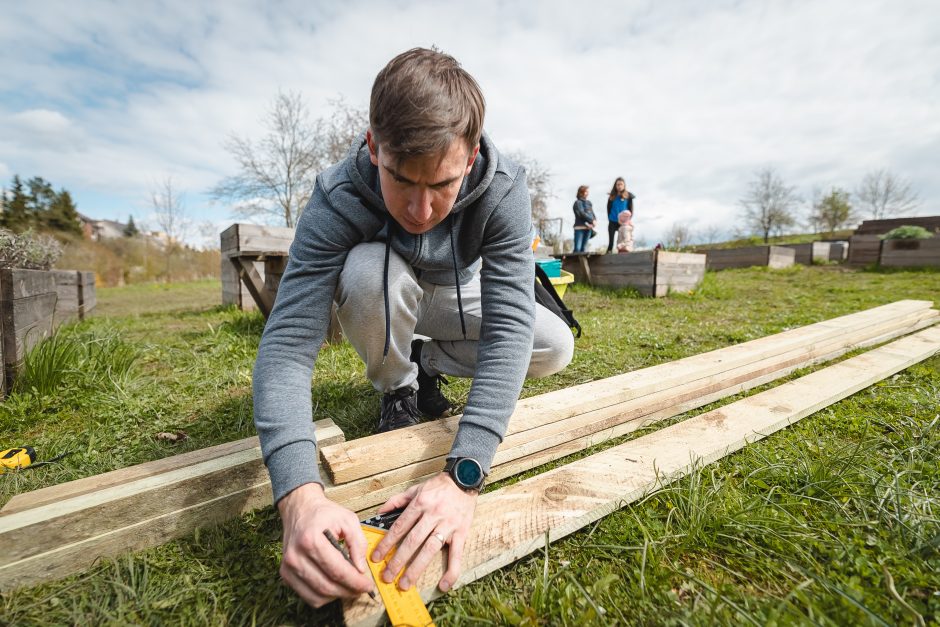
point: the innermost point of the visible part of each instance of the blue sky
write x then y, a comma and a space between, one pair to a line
684, 99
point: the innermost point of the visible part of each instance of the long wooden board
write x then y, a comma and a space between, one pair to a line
365, 457
326, 430
519, 519
71, 514
365, 494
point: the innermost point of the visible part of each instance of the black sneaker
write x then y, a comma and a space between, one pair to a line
398, 410
431, 402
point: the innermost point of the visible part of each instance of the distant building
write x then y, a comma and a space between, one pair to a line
98, 230
101, 229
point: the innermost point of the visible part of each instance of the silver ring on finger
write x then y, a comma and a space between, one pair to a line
440, 536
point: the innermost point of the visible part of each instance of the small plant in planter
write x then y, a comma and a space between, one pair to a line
908, 232
28, 250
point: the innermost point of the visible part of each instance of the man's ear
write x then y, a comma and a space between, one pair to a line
373, 148
472, 158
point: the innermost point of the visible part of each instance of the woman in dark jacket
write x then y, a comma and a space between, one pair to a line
584, 220
619, 200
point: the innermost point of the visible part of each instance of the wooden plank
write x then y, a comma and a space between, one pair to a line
256, 237
27, 283
88, 294
153, 490
255, 284
594, 427
326, 430
514, 521
364, 457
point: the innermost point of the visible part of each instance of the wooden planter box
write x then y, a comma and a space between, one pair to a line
32, 304
770, 256
864, 249
910, 253
811, 252
76, 294
651, 272
246, 246
838, 251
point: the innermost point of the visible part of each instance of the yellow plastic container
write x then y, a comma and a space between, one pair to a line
561, 282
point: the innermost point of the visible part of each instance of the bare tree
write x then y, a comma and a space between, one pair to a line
276, 173
711, 234
336, 133
882, 194
770, 204
677, 236
170, 216
539, 182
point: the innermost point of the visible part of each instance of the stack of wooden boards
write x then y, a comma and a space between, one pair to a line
64, 528
514, 521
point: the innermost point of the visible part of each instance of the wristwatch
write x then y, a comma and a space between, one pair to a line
466, 472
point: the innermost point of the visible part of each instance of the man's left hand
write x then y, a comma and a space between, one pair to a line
436, 509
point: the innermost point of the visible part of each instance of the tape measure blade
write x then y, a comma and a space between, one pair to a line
404, 608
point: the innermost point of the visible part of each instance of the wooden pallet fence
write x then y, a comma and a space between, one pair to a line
517, 520
910, 253
63, 529
770, 256
364, 457
653, 273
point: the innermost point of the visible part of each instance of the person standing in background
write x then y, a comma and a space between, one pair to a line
584, 219
619, 200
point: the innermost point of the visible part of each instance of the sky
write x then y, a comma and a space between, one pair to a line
686, 100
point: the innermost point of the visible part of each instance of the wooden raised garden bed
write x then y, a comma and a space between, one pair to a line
32, 304
249, 253
770, 256
910, 253
651, 272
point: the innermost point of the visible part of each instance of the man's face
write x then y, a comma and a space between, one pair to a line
419, 192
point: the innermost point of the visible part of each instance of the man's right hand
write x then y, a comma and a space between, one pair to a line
311, 565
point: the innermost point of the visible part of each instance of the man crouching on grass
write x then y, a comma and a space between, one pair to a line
395, 235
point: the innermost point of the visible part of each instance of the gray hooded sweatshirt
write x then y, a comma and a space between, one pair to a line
491, 220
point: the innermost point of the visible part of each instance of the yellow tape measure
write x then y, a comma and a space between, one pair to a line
405, 608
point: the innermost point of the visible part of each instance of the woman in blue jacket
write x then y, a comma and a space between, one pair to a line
584, 219
619, 200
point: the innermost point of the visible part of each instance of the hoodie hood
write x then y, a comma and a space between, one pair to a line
365, 176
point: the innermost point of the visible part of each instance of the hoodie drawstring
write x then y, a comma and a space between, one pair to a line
388, 316
453, 255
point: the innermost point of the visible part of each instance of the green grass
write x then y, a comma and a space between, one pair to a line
805, 527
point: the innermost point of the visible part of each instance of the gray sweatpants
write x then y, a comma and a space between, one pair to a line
419, 307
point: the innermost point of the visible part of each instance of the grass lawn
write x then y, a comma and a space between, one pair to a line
833, 521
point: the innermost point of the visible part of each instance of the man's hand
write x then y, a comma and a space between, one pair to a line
311, 565
436, 509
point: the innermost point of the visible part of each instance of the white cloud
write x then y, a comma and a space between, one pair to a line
684, 99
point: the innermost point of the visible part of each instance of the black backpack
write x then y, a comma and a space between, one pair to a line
546, 296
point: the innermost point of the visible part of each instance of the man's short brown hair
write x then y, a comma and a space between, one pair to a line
423, 100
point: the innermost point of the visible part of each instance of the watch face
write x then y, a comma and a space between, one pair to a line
468, 473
